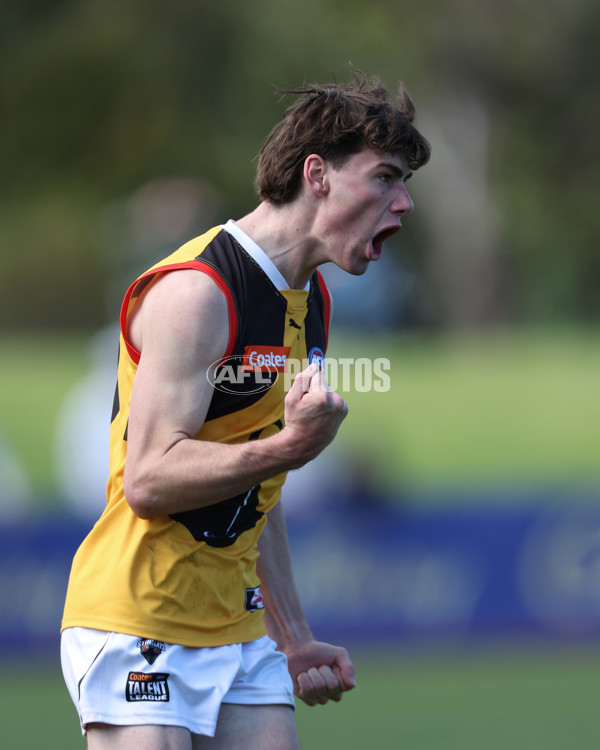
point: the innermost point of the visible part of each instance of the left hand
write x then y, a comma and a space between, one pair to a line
320, 672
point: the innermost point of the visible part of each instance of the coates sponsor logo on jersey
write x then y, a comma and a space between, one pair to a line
265, 358
147, 687
249, 373
254, 600
150, 649
317, 356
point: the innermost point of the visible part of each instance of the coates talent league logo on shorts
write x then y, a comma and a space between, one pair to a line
147, 687
252, 372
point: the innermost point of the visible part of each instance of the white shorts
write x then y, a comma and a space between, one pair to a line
126, 680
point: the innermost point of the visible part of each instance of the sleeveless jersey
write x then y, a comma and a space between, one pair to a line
190, 578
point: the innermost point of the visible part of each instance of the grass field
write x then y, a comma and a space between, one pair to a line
36, 373
500, 700
519, 407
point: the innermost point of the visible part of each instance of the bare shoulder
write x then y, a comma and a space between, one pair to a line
183, 290
183, 309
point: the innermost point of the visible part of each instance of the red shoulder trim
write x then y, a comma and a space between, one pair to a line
199, 266
327, 304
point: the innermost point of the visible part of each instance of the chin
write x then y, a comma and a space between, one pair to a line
355, 267
361, 268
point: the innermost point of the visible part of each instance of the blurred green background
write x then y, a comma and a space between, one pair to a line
128, 127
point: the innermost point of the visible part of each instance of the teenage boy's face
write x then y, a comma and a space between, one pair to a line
365, 204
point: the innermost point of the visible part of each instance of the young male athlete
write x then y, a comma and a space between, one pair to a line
174, 590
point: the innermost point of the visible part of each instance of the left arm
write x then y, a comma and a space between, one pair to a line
320, 672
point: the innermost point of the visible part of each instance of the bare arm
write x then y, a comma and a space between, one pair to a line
181, 328
320, 672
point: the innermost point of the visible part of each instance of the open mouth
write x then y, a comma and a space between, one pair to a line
380, 238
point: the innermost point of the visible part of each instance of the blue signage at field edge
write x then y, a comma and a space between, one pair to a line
382, 574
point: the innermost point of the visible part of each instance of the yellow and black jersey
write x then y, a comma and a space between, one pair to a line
190, 578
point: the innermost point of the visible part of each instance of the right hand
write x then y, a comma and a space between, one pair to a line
313, 414
320, 672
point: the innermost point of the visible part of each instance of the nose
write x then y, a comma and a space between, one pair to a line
402, 204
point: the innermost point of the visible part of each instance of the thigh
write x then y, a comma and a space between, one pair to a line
252, 728
109, 737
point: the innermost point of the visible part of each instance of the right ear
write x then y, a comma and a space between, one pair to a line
315, 175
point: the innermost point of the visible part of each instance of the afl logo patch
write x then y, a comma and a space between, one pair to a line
254, 600
316, 355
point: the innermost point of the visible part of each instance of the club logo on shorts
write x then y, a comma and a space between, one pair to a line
147, 687
254, 600
150, 649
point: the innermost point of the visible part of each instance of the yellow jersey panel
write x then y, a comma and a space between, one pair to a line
190, 578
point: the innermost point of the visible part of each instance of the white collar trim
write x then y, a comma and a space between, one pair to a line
256, 252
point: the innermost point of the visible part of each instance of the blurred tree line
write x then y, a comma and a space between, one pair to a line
102, 99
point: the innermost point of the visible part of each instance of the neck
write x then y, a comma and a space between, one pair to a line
285, 237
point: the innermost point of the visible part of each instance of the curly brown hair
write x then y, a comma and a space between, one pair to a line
336, 121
